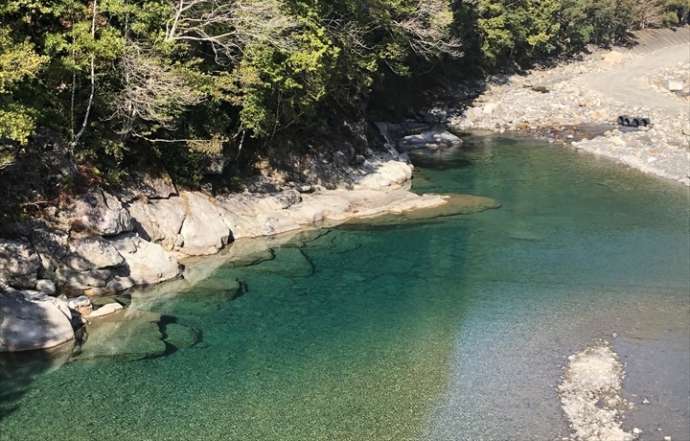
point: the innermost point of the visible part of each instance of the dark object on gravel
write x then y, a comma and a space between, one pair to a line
629, 121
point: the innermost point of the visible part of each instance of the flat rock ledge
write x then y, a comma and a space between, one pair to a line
102, 243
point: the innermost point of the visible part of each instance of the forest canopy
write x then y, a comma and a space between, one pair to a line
176, 81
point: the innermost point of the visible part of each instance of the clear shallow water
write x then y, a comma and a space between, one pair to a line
452, 329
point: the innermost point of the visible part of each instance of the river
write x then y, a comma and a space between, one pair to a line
455, 328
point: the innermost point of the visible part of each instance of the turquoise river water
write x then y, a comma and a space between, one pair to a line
454, 328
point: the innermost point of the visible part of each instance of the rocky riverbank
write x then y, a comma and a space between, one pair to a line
105, 242
579, 103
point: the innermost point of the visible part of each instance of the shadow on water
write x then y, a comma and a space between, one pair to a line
18, 370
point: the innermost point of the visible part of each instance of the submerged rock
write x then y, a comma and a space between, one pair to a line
131, 337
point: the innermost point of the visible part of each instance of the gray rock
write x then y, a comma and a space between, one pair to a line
148, 262
288, 198
39, 322
150, 187
160, 220
51, 247
19, 263
46, 287
73, 280
204, 230
432, 139
100, 213
97, 251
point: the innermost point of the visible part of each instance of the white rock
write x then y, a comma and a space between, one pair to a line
105, 310
387, 175
160, 220
675, 85
39, 323
148, 263
97, 251
204, 230
432, 139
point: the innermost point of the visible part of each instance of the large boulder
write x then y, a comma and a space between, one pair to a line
160, 220
99, 252
148, 262
19, 263
30, 322
204, 230
98, 213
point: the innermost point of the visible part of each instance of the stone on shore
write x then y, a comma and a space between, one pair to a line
32, 322
386, 176
432, 139
148, 262
160, 220
204, 230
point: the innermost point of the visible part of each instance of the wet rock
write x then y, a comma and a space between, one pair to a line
180, 336
98, 252
32, 322
148, 263
132, 336
19, 263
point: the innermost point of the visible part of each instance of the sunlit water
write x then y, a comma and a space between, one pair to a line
452, 329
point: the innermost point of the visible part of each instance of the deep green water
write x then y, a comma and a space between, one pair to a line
451, 329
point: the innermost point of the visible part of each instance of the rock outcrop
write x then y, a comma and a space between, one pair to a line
19, 263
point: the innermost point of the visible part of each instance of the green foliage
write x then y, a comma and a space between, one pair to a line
174, 81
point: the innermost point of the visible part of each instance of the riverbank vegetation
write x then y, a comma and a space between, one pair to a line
101, 87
